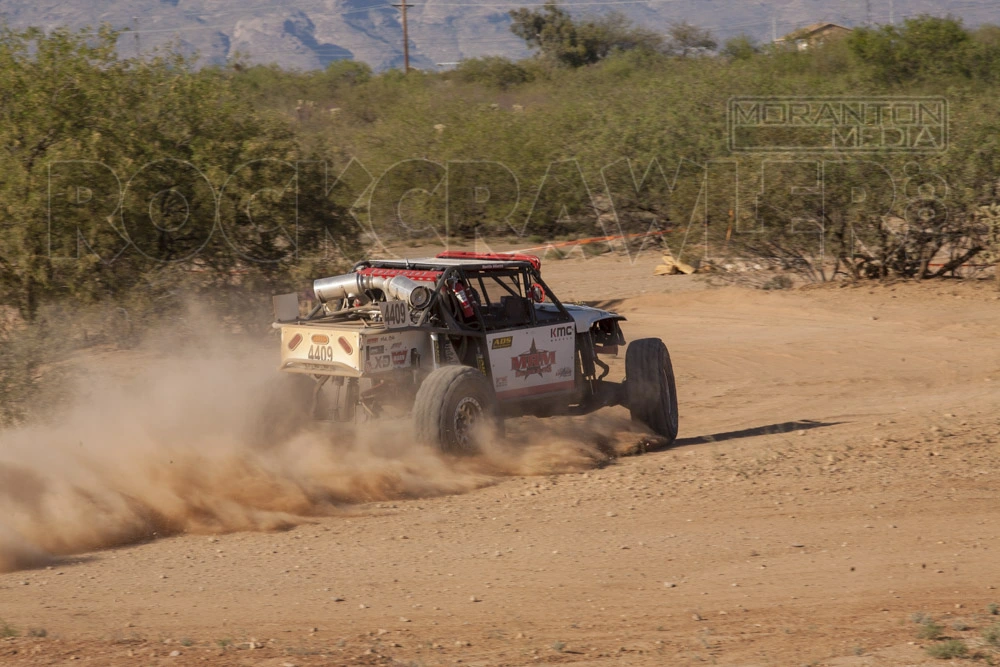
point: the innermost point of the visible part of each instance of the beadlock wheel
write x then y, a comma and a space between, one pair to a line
453, 407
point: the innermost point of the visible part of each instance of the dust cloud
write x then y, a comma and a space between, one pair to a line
215, 441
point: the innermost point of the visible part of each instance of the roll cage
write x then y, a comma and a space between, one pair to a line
498, 288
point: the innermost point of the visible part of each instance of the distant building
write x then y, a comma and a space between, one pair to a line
814, 34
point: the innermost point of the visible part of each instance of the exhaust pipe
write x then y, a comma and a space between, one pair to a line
339, 287
404, 289
354, 286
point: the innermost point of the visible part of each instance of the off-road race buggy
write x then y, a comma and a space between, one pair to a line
463, 339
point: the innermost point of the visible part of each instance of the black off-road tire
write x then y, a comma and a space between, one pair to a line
650, 388
452, 406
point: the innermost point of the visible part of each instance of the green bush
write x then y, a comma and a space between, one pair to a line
7, 630
492, 72
193, 151
946, 650
930, 630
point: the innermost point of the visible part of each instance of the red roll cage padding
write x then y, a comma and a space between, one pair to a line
492, 256
412, 274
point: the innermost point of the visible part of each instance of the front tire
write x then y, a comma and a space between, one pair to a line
452, 405
650, 387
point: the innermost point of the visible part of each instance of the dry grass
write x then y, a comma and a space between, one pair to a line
946, 650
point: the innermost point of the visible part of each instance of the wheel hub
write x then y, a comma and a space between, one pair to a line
467, 414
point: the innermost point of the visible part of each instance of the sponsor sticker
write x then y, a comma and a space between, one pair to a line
378, 363
533, 362
562, 331
502, 342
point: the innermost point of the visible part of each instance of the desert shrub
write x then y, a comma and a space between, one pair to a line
930, 630
7, 630
201, 166
946, 650
492, 71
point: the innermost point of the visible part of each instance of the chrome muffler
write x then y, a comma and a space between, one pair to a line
354, 285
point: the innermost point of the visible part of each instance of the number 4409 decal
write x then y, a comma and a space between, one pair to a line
321, 353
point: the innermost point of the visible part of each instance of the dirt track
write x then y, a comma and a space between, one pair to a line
836, 473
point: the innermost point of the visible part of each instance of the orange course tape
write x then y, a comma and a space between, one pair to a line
593, 239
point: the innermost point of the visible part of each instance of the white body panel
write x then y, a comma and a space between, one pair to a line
584, 316
393, 350
321, 350
350, 351
533, 361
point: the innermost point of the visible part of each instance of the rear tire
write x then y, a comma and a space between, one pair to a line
451, 406
650, 387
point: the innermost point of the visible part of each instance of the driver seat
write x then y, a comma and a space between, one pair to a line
516, 310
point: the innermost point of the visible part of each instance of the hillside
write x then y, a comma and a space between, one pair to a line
311, 33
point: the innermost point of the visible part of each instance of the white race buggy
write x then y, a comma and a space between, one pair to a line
462, 337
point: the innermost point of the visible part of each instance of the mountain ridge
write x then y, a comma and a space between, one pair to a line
310, 34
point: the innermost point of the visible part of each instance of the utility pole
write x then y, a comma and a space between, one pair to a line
406, 37
138, 38
892, 13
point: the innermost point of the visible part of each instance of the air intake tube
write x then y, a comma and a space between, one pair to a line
354, 285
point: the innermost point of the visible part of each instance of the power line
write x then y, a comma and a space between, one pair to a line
406, 37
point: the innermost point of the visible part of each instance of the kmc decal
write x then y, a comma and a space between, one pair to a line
562, 332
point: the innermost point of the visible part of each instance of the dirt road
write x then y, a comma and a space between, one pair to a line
836, 474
